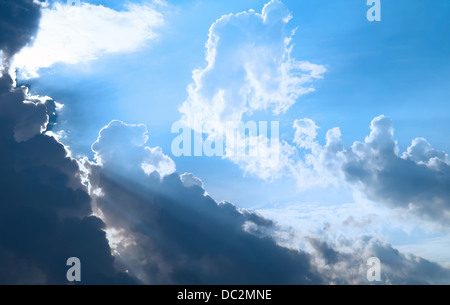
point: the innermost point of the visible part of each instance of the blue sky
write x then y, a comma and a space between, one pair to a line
398, 67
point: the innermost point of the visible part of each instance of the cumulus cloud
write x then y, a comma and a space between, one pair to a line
78, 34
189, 180
174, 233
249, 68
119, 141
417, 180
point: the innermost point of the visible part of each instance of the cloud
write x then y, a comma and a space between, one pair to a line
45, 211
167, 230
189, 180
345, 262
172, 232
417, 180
249, 68
164, 228
72, 35
19, 22
119, 141
341, 238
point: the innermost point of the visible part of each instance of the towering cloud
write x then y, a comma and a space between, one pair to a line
249, 68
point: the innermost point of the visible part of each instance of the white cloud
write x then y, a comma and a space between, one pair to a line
249, 68
122, 148
189, 180
422, 152
71, 34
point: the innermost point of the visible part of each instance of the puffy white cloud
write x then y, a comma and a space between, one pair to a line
119, 141
72, 34
422, 152
249, 68
189, 180
305, 133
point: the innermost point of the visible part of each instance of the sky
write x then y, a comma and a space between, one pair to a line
360, 166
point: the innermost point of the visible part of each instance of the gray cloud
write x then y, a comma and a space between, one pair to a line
345, 262
419, 180
19, 21
44, 209
178, 235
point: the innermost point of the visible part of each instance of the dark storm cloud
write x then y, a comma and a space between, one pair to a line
19, 21
44, 209
179, 235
